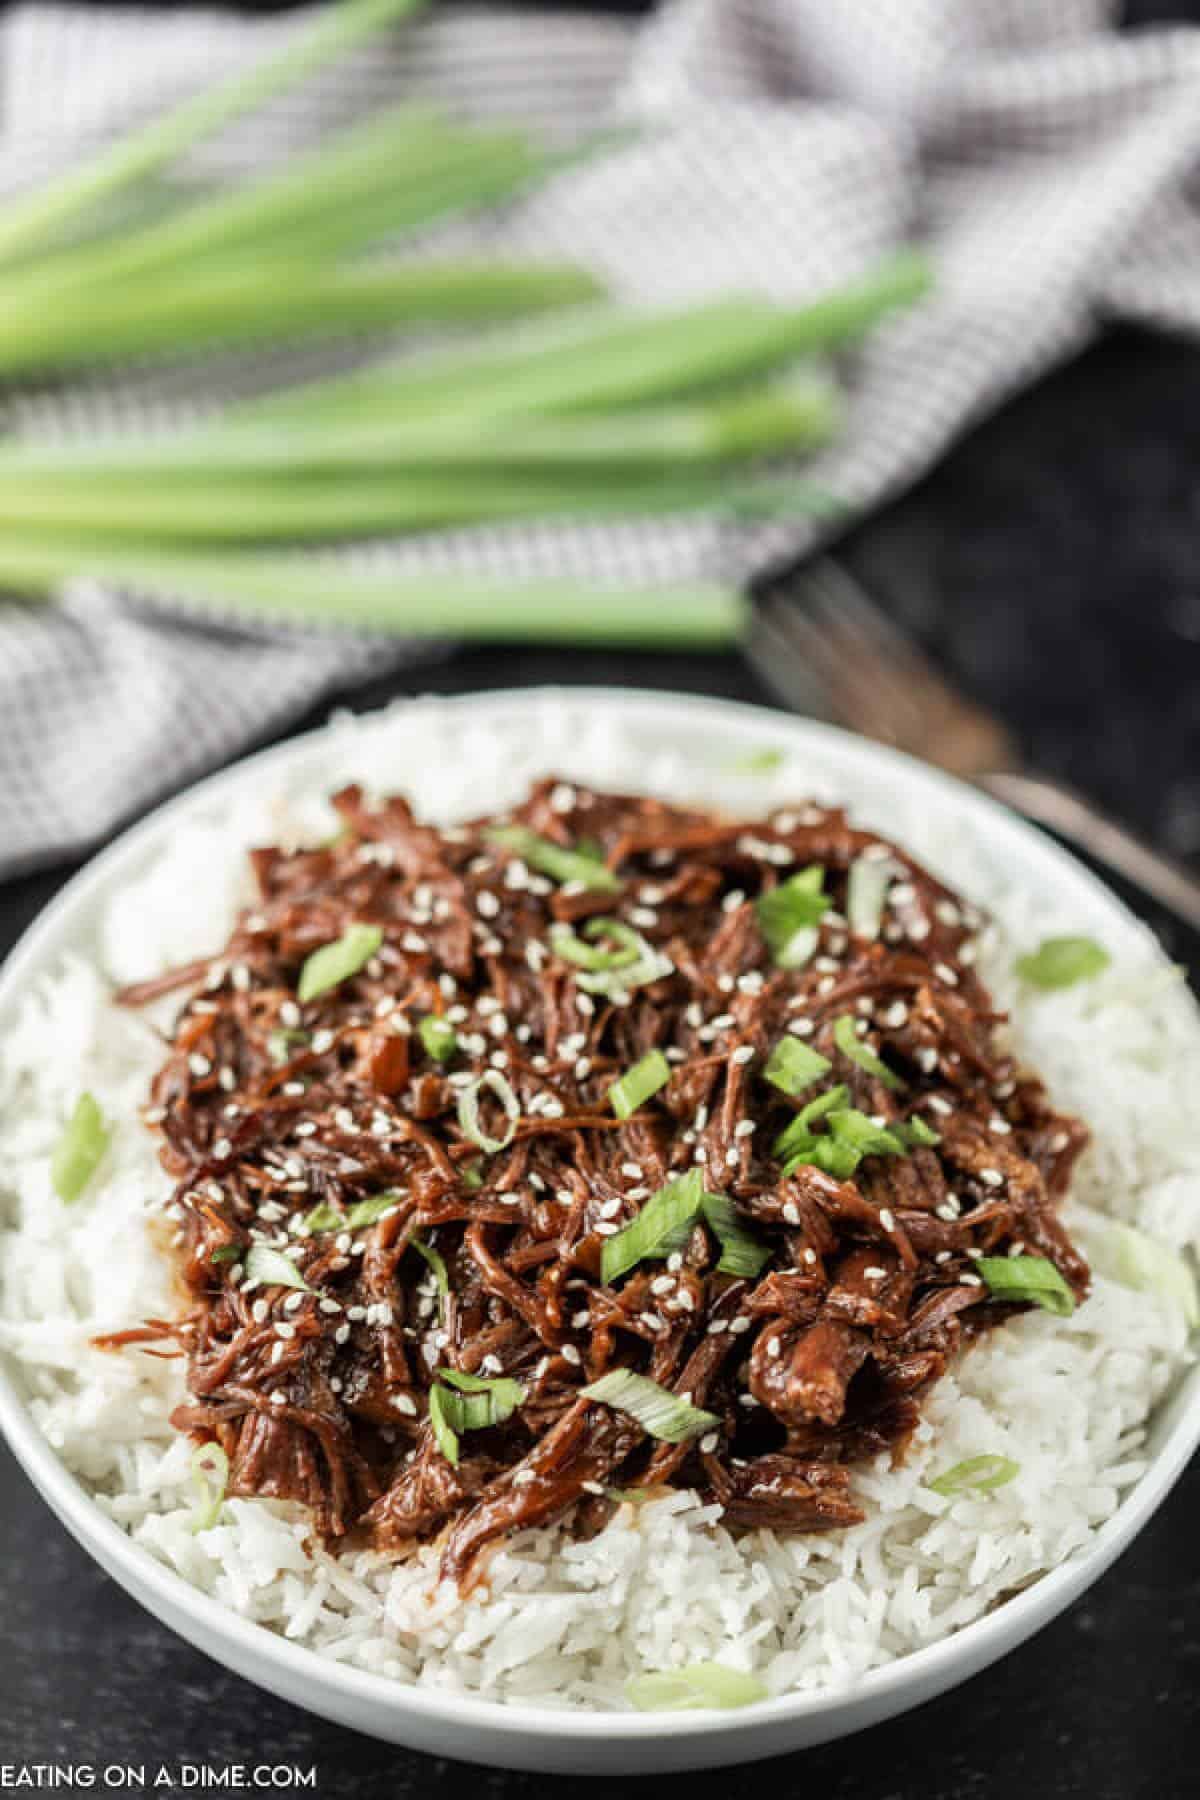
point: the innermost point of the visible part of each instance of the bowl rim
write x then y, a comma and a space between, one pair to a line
925, 1670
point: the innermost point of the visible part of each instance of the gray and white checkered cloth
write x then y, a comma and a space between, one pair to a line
1050, 160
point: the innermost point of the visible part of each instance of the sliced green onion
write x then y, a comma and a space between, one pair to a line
799, 1133
471, 1175
851, 1045
1031, 1278
915, 1131
571, 947
281, 1041
757, 762
437, 1263
793, 1066
210, 1478
639, 1083
694, 1688
866, 889
468, 1111
634, 963
334, 963
658, 1411
271, 1268
78, 1152
482, 1400
836, 1159
324, 1217
555, 860
226, 1253
1129, 1256
369, 1211
849, 1126
438, 1036
661, 1227
1060, 962
788, 916
470, 1403
978, 1474
742, 1253
444, 1433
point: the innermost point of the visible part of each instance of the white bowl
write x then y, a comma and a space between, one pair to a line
522, 1736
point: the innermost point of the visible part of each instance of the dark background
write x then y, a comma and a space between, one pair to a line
1064, 591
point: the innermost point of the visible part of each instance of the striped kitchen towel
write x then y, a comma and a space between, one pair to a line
1048, 159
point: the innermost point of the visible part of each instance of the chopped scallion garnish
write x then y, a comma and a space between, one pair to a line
694, 1687
555, 860
741, 1252
437, 1263
283, 1043
78, 1152
368, 1212
1136, 1260
271, 1268
978, 1474
799, 1132
758, 762
1027, 1278
845, 1036
324, 1217
632, 963
210, 1478
639, 1083
849, 1126
334, 963
661, 1227
444, 1434
460, 1402
438, 1037
866, 890
1059, 962
657, 1410
915, 1131
468, 1111
788, 916
226, 1253
793, 1066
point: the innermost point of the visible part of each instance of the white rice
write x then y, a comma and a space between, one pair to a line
563, 1623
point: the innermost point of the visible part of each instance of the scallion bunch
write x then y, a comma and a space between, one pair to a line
606, 414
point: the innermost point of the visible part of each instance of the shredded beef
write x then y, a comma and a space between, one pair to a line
278, 1118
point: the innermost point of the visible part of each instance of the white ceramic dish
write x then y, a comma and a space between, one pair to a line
526, 1737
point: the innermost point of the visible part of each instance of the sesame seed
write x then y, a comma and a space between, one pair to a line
199, 1065
991, 1178
773, 1346
742, 1055
709, 1442
887, 1218
571, 1355
404, 1403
